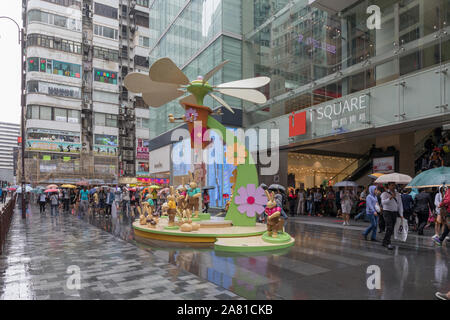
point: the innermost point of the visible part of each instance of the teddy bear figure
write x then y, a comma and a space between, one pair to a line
193, 198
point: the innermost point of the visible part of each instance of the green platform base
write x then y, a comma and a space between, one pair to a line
196, 219
204, 216
164, 217
280, 239
172, 228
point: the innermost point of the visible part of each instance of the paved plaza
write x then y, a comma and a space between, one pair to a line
328, 261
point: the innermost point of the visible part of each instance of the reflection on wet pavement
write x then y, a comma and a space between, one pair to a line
327, 262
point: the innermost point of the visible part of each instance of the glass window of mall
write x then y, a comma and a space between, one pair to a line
313, 56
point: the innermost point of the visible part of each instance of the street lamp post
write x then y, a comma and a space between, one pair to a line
22, 113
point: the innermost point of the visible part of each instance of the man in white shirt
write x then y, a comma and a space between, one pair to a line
391, 202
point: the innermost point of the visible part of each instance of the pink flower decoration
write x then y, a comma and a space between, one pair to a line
250, 200
191, 115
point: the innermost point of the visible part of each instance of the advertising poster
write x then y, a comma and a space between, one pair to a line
106, 145
384, 165
142, 150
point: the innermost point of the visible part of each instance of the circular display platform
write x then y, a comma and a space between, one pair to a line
205, 234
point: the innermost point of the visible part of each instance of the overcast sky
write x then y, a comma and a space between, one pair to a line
10, 61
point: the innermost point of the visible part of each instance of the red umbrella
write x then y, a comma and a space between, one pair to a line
12, 189
51, 190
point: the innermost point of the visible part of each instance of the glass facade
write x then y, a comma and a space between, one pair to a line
197, 36
313, 56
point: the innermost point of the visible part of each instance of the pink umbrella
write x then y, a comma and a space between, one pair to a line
12, 189
51, 190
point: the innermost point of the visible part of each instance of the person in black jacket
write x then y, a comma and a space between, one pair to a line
422, 206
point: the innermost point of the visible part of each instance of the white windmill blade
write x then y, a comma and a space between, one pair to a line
189, 100
252, 83
222, 102
158, 98
209, 75
245, 94
165, 70
138, 82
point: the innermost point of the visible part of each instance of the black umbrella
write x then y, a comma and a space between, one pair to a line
264, 186
209, 188
277, 187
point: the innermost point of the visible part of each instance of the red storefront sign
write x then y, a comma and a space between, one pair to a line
297, 124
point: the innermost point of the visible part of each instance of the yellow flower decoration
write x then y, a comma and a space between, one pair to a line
236, 154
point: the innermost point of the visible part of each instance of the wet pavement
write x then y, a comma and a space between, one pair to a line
328, 261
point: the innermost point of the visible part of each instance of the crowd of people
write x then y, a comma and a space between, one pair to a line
420, 210
436, 151
97, 201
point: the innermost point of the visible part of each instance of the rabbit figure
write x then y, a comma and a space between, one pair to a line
274, 221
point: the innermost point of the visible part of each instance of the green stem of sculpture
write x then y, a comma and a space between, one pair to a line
246, 174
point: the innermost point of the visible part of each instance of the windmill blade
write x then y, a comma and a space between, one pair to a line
165, 70
252, 83
158, 98
138, 82
214, 71
245, 94
222, 102
189, 100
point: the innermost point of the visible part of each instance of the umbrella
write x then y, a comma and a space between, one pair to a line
431, 178
209, 188
52, 186
68, 186
12, 189
376, 175
27, 189
104, 187
264, 186
350, 184
132, 189
277, 187
397, 178
51, 190
93, 190
82, 183
154, 186
165, 190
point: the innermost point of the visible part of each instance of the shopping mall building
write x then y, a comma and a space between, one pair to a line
357, 86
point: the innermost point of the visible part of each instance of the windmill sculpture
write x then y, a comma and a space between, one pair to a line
166, 82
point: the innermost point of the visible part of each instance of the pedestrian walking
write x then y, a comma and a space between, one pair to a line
206, 200
317, 201
347, 199
423, 206
84, 201
445, 209
301, 198
408, 205
392, 207
110, 197
66, 200
54, 202
309, 202
440, 212
42, 202
372, 211
126, 208
292, 198
362, 205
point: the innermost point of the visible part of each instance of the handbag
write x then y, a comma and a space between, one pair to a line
401, 230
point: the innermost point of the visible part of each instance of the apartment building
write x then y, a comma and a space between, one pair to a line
80, 120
